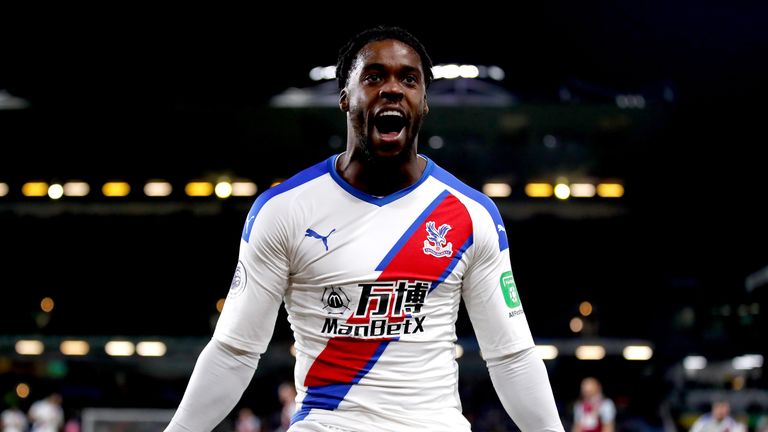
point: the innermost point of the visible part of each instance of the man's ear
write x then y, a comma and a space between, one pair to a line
426, 105
344, 100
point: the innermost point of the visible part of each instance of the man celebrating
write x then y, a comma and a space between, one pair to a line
372, 250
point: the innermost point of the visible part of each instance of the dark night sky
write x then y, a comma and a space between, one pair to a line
122, 57
123, 73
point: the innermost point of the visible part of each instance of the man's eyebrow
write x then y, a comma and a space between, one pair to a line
375, 66
380, 66
409, 69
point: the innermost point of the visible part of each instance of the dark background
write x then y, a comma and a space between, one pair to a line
184, 94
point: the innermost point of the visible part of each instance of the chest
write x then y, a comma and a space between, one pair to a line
422, 240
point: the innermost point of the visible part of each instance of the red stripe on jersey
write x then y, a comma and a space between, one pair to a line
343, 357
412, 263
341, 360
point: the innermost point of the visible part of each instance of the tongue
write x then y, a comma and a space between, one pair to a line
390, 135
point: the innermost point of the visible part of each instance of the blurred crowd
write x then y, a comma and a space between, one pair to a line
592, 411
44, 415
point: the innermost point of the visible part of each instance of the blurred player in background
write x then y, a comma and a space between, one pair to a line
593, 412
247, 421
372, 251
287, 395
718, 419
13, 420
46, 414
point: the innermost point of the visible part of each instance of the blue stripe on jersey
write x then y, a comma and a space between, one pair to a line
328, 397
299, 179
409, 232
374, 358
378, 201
455, 260
475, 195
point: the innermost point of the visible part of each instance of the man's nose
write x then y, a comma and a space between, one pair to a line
392, 90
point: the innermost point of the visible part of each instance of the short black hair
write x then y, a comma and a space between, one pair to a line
349, 51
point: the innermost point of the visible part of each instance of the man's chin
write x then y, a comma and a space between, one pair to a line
386, 148
387, 152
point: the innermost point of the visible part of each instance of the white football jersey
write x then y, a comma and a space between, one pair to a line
372, 287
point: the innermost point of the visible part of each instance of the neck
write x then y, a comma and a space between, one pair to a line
380, 176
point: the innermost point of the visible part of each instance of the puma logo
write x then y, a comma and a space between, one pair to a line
312, 233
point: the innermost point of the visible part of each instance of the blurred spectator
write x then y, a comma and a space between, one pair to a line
762, 424
13, 420
287, 394
46, 414
72, 425
718, 419
593, 412
247, 421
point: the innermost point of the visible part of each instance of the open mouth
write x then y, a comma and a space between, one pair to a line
389, 123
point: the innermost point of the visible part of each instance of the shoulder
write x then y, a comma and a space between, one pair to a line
277, 199
463, 189
704, 418
607, 408
481, 207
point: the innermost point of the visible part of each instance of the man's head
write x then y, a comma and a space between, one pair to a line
720, 409
590, 388
383, 74
245, 413
348, 53
286, 392
54, 398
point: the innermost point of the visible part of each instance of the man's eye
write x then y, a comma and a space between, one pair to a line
411, 79
373, 77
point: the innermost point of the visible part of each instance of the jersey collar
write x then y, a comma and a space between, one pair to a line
372, 199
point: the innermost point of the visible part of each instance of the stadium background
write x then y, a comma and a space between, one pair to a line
667, 101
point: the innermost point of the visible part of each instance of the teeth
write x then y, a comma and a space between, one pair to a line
390, 113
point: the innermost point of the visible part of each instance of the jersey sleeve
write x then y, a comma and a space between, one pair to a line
259, 283
577, 412
607, 411
490, 293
